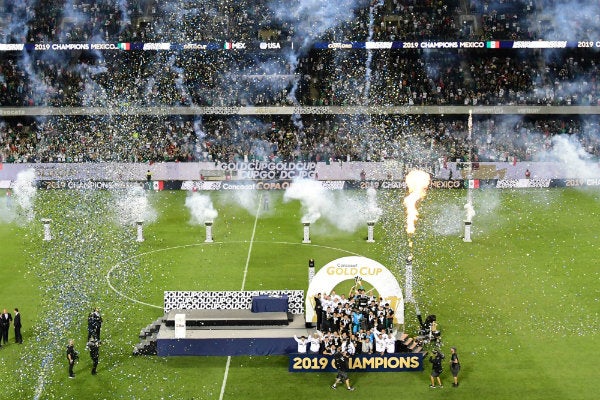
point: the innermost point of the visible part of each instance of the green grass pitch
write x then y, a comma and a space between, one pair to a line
520, 302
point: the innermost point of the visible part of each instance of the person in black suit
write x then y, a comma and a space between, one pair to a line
94, 347
5, 320
17, 325
94, 324
72, 357
91, 327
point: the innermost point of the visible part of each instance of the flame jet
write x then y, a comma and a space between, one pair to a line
417, 182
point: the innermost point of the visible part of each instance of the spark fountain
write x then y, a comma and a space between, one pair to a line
417, 182
373, 213
408, 281
25, 192
133, 208
470, 212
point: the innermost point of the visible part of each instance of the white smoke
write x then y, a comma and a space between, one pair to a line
132, 205
7, 209
568, 151
373, 210
347, 213
315, 199
24, 192
446, 219
247, 199
569, 20
470, 212
201, 208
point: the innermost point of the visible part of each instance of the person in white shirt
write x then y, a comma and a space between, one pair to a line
379, 343
390, 343
367, 345
335, 297
351, 347
302, 342
315, 342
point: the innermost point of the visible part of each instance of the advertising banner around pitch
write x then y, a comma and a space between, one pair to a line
400, 362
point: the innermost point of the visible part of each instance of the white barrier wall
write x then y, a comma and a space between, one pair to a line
194, 171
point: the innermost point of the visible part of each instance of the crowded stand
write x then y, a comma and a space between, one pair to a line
507, 19
414, 139
114, 80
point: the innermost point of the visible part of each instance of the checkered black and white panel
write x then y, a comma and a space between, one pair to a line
228, 300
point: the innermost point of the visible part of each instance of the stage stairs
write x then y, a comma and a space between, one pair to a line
147, 336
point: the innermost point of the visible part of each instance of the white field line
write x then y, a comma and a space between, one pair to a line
114, 267
224, 384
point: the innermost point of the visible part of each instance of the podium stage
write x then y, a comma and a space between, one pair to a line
231, 333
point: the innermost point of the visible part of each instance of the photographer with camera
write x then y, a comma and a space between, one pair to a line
72, 357
94, 347
436, 368
94, 324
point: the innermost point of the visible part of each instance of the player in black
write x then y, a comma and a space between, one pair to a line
340, 362
94, 347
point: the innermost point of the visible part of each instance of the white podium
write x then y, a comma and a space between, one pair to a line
179, 326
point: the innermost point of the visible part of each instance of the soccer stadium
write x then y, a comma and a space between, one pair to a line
242, 199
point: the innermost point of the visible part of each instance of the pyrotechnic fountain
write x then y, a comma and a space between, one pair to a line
311, 270
140, 231
470, 212
306, 232
208, 225
417, 183
47, 233
373, 213
370, 227
202, 212
408, 281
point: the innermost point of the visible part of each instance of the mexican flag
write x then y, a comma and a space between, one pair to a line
158, 185
472, 183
